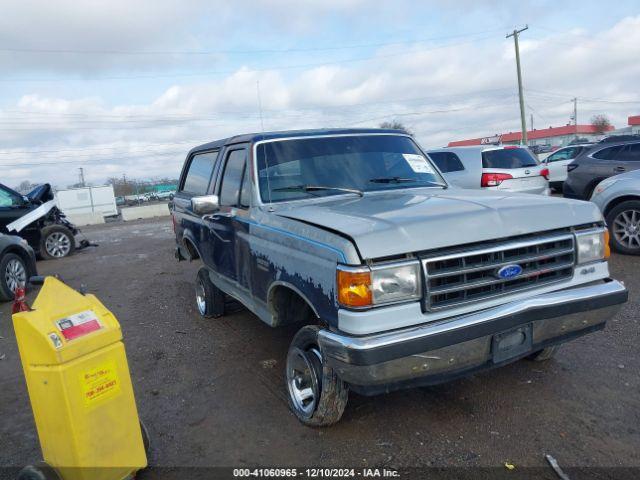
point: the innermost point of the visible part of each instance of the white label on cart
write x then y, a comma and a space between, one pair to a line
78, 324
418, 163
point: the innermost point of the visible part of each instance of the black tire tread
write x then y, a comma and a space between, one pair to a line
6, 294
55, 228
611, 216
334, 394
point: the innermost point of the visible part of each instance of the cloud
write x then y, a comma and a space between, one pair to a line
443, 91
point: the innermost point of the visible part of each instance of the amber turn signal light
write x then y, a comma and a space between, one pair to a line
607, 248
354, 288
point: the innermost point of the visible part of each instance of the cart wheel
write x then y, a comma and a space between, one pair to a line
56, 241
145, 437
39, 471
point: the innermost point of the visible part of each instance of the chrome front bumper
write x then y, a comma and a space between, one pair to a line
440, 351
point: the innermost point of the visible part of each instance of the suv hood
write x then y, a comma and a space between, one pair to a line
391, 223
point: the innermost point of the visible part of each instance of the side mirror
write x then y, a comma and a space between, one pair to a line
205, 204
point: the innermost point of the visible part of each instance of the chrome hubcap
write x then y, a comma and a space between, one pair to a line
201, 299
58, 245
302, 379
15, 275
626, 228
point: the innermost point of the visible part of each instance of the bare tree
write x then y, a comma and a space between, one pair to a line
396, 125
601, 123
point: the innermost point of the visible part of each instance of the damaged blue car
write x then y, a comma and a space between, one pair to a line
396, 278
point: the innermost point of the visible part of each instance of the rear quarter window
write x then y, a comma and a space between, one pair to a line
196, 181
447, 161
506, 158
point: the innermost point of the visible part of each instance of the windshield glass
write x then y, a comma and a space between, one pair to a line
508, 158
295, 169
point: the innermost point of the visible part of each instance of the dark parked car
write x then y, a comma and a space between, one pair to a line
51, 235
395, 277
17, 264
601, 161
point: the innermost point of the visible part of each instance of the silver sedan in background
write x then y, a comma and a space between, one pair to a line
618, 198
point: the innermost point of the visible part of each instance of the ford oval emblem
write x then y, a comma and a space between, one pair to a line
509, 271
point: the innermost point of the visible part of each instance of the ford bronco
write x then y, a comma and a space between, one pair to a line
395, 277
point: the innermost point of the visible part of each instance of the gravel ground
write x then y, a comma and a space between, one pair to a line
211, 391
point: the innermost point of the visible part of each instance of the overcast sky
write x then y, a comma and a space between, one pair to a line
128, 87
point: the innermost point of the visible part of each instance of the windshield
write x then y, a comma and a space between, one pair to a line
508, 158
314, 167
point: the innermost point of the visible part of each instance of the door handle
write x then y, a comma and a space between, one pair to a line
215, 216
620, 169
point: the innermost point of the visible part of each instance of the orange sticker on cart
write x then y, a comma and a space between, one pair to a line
100, 383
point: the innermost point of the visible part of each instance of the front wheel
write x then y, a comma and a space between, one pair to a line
57, 241
14, 274
624, 225
316, 395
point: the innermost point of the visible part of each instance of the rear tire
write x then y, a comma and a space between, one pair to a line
316, 395
209, 298
544, 354
13, 273
623, 222
56, 241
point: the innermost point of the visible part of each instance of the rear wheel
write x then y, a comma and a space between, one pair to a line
56, 241
209, 298
544, 354
13, 271
624, 225
316, 395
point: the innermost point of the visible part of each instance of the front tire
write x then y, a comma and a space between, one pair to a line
13, 274
623, 222
56, 241
316, 395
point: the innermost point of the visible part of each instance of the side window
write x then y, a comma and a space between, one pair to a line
608, 153
8, 199
196, 181
447, 161
232, 177
632, 153
565, 154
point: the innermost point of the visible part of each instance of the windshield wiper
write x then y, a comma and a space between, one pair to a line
312, 188
405, 180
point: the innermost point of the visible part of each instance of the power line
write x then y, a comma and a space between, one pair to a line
253, 70
241, 51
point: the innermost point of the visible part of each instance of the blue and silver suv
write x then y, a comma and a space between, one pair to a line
395, 278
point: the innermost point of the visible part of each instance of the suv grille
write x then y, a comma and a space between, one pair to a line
472, 275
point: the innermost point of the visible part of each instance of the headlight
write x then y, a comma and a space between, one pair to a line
363, 287
592, 245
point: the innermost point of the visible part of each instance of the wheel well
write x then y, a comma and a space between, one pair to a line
617, 201
289, 306
191, 248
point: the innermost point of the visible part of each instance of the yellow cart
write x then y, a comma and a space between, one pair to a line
80, 389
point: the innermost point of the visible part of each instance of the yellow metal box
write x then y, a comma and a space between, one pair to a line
79, 385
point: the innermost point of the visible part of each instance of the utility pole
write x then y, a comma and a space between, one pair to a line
81, 176
575, 112
523, 123
531, 125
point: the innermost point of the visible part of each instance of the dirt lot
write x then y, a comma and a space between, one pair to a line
211, 391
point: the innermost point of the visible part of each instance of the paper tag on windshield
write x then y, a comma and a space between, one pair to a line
418, 163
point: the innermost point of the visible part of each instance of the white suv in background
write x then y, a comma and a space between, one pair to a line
504, 167
557, 163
